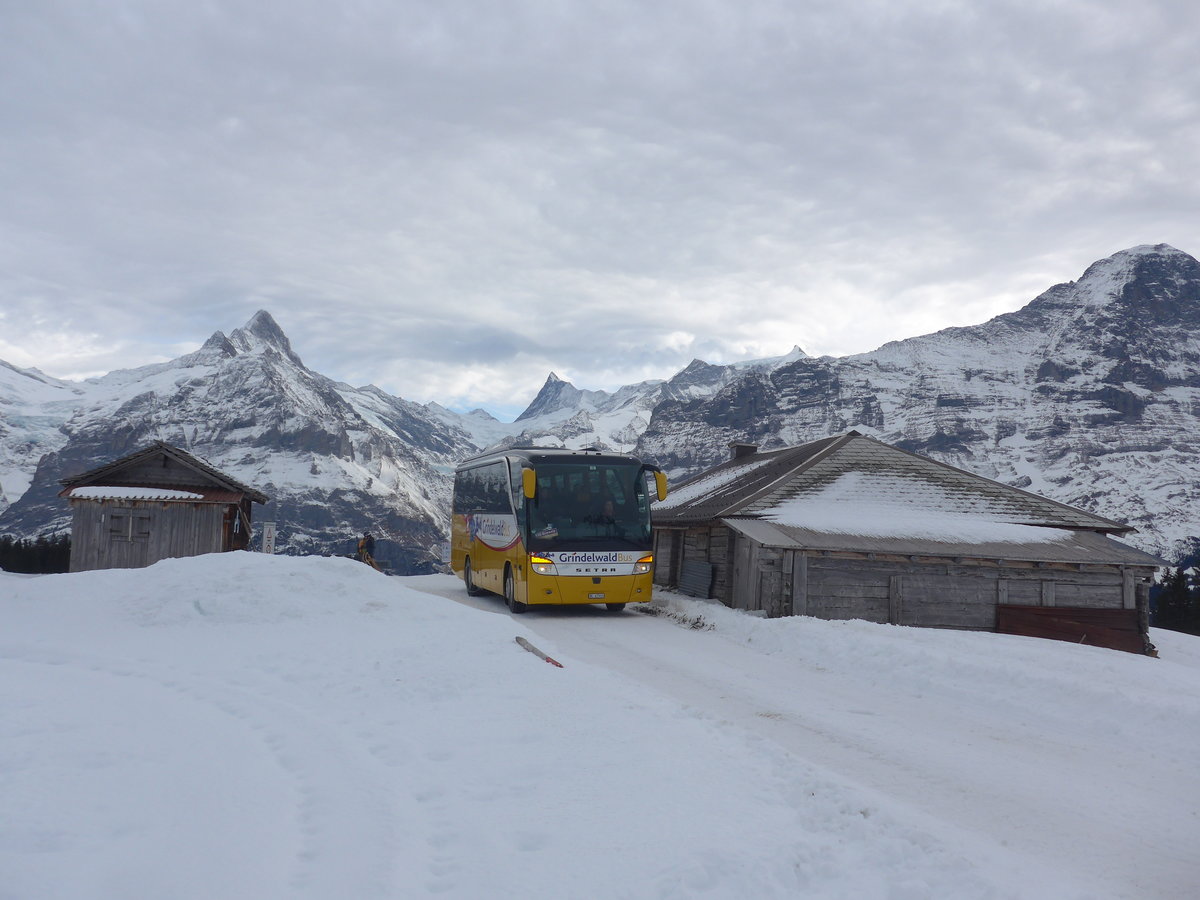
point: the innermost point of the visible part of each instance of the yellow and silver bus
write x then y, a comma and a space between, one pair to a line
544, 525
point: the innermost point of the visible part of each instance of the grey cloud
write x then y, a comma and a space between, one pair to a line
447, 175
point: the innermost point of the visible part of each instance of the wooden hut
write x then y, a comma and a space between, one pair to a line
157, 503
852, 528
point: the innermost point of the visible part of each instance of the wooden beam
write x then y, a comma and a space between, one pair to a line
1047, 593
800, 584
895, 598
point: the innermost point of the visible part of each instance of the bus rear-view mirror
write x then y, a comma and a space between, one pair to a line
660, 482
529, 483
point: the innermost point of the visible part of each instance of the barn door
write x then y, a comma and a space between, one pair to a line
745, 575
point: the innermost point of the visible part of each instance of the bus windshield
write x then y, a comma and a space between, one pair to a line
602, 505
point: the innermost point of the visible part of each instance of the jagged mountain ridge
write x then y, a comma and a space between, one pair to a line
1090, 394
563, 415
334, 459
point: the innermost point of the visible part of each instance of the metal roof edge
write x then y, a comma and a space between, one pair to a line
786, 540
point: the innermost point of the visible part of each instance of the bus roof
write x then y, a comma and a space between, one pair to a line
538, 455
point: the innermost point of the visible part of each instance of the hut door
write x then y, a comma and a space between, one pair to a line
745, 576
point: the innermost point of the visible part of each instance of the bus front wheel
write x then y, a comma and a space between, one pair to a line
472, 590
510, 593
615, 607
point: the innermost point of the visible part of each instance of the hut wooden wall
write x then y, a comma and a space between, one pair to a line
161, 530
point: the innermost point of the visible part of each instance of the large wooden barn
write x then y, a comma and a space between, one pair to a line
852, 528
154, 504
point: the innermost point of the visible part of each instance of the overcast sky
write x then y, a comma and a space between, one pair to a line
451, 200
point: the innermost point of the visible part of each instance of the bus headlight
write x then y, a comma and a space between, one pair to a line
542, 566
643, 565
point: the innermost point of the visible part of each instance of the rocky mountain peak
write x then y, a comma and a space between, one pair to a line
1157, 265
1116, 299
555, 395
262, 333
1124, 295
797, 352
218, 344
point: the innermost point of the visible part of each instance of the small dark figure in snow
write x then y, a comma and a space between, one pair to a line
366, 548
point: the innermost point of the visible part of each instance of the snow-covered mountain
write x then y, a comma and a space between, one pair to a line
334, 459
563, 415
1090, 394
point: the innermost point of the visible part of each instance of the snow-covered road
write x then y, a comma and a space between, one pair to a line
1068, 769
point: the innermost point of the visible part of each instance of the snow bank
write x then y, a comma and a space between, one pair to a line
243, 725
252, 726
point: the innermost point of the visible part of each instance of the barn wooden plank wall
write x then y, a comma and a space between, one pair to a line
1118, 629
711, 545
938, 594
923, 591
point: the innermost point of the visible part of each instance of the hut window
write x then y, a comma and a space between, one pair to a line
129, 525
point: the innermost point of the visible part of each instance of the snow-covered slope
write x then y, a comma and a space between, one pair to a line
564, 416
334, 459
1089, 395
238, 725
32, 407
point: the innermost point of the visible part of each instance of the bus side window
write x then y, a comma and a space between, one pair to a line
495, 479
516, 486
464, 491
647, 490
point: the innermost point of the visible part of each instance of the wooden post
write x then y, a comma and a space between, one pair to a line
787, 590
1128, 591
800, 584
1047, 593
895, 598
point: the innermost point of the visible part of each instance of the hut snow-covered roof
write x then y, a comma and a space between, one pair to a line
123, 478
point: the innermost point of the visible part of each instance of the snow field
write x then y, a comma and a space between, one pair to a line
240, 725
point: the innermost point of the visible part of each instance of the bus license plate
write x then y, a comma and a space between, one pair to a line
595, 596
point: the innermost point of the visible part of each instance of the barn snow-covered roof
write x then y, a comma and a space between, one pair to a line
846, 484
724, 489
